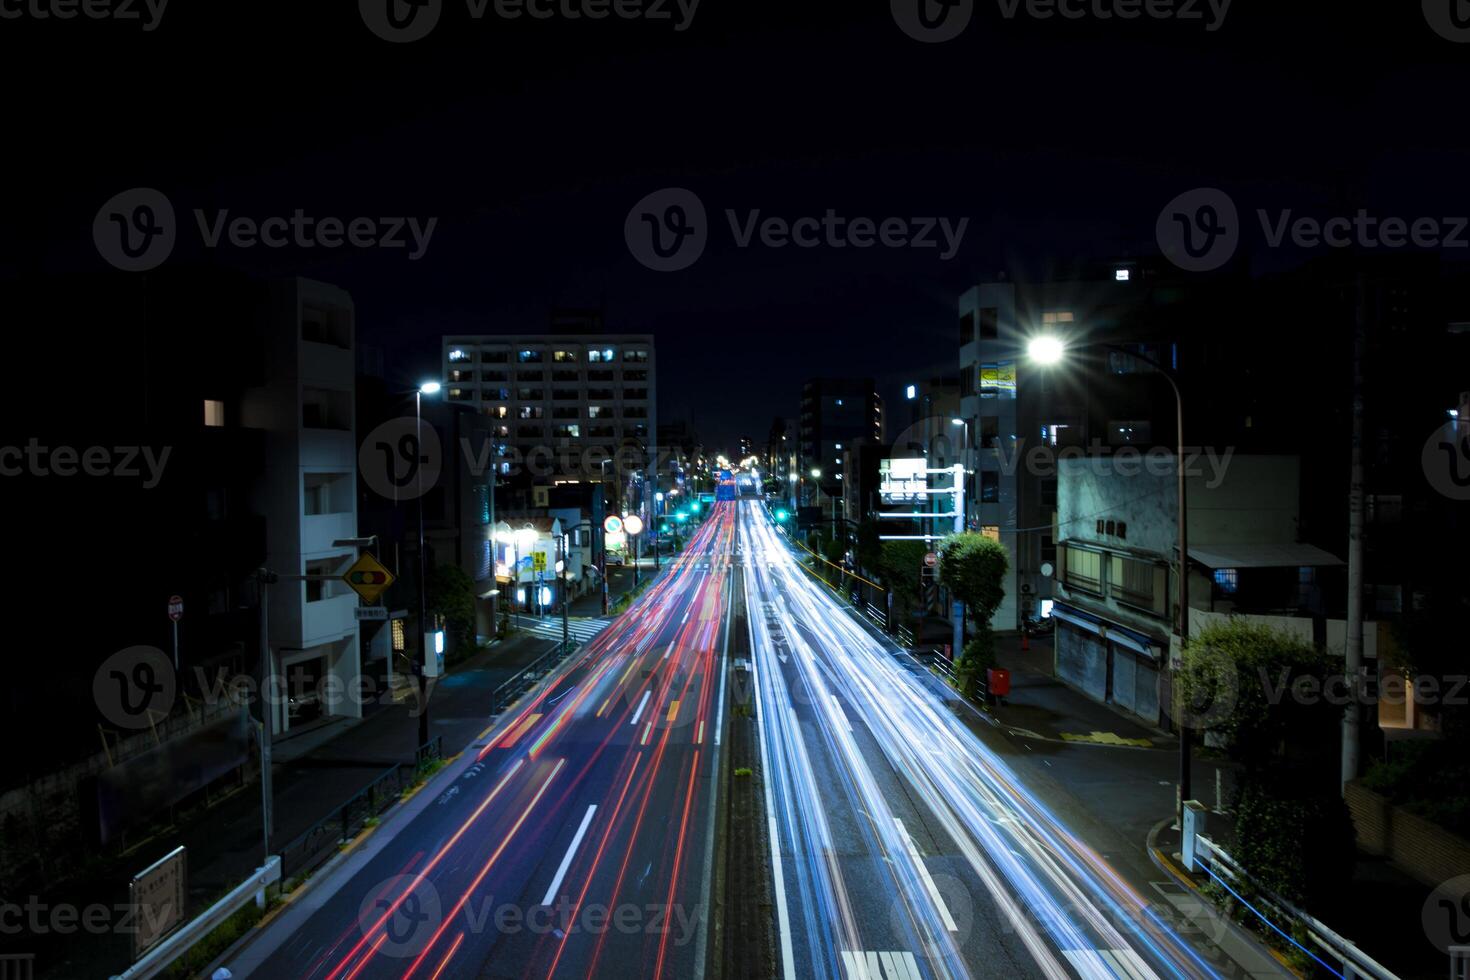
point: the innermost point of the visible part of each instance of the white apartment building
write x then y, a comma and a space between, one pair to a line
560, 403
309, 496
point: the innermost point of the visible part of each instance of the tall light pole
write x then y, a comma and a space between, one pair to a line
1049, 350
633, 524
427, 388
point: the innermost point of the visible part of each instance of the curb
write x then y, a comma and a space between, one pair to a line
1165, 863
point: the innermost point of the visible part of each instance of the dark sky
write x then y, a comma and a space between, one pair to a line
530, 141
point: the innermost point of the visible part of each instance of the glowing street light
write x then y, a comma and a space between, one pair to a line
1046, 349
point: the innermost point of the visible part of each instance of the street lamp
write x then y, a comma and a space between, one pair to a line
633, 524
1047, 350
426, 388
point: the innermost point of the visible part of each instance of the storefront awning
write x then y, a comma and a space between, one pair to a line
1263, 556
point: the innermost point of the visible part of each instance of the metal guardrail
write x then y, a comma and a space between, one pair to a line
157, 959
506, 694
312, 849
1223, 869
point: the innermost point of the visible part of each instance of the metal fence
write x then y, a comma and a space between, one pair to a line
1204, 854
312, 849
508, 693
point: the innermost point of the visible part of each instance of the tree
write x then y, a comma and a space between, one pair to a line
452, 596
897, 568
973, 568
1274, 701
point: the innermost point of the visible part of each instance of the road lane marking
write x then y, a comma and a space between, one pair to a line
673, 711
641, 705
880, 965
928, 879
566, 861
698, 738
647, 730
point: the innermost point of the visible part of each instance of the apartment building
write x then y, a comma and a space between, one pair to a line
562, 406
1118, 320
835, 413
305, 407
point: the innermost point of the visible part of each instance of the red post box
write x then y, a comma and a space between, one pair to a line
998, 681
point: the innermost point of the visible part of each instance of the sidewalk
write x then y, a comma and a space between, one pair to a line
1124, 773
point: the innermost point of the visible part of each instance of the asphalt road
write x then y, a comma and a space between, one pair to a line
908, 847
577, 840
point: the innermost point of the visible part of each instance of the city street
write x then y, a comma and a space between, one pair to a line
908, 846
575, 841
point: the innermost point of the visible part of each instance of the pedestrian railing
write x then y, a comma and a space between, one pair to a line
508, 693
184, 938
1342, 958
312, 849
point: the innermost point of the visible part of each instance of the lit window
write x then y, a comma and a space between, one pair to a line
1228, 580
1122, 275
214, 413
458, 355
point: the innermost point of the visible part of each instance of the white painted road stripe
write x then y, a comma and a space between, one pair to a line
880, 965
929, 885
641, 705
566, 862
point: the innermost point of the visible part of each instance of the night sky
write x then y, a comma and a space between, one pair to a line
530, 141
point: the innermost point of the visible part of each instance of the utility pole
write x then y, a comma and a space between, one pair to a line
561, 548
265, 690
1353, 652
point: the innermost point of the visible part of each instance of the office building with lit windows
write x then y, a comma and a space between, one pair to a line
560, 404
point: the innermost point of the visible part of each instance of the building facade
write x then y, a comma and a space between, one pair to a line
562, 406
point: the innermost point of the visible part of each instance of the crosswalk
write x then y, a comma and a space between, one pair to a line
580, 628
876, 965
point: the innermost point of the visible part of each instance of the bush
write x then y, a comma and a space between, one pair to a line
1293, 837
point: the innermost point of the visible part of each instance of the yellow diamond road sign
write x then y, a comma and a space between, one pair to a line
368, 578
